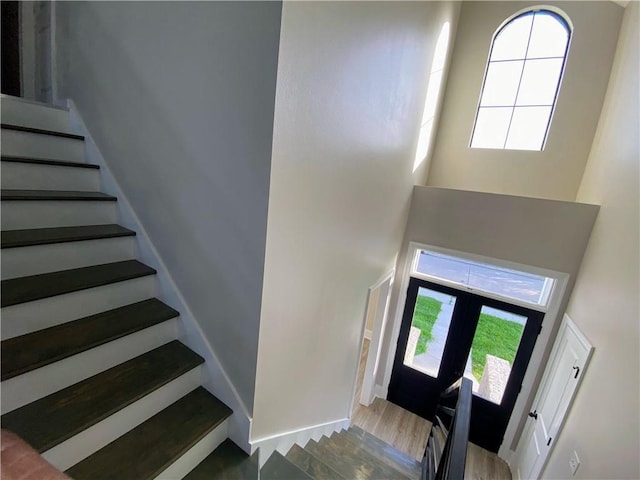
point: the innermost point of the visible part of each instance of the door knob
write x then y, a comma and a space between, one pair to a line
534, 414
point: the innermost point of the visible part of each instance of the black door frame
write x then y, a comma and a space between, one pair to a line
418, 392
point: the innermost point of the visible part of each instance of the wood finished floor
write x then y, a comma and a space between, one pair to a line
408, 432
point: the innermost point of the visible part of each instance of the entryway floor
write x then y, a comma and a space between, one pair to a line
408, 432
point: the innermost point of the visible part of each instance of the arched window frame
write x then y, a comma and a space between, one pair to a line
565, 21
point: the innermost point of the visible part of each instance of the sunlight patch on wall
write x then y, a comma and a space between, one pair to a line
433, 93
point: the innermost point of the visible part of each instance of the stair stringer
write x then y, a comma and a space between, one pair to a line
215, 378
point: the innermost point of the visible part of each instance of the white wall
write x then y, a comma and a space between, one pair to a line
603, 425
556, 172
351, 90
179, 98
546, 234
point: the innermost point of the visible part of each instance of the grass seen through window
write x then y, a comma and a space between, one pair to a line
494, 336
424, 316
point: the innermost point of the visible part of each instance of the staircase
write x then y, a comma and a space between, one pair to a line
93, 375
346, 455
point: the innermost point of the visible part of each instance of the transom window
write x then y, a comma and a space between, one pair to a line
521, 82
512, 286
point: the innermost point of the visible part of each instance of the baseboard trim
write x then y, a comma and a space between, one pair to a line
282, 442
190, 333
379, 391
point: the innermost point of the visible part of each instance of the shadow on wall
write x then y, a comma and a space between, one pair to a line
190, 151
427, 124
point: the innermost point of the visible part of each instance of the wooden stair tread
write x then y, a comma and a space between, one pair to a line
379, 448
47, 161
34, 350
388, 454
227, 462
316, 468
155, 444
55, 418
279, 468
351, 461
61, 195
35, 287
344, 440
45, 236
20, 128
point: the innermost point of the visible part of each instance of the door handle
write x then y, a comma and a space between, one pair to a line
534, 414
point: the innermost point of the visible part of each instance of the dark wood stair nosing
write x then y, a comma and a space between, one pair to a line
53, 235
47, 161
41, 131
26, 289
34, 350
49, 421
187, 421
21, 195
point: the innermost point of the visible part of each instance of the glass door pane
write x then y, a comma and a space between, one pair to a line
428, 332
493, 352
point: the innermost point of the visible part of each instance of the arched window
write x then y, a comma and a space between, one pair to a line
521, 82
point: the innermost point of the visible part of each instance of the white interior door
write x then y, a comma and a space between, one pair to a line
569, 358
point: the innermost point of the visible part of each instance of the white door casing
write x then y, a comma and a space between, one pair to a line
568, 362
381, 306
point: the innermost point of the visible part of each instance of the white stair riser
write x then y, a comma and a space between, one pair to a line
32, 176
31, 386
28, 114
31, 316
37, 145
80, 446
24, 261
196, 454
19, 214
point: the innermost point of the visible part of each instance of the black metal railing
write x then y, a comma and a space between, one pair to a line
446, 452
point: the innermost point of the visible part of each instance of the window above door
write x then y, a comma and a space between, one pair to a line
498, 282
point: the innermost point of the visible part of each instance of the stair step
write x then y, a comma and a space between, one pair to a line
46, 161
56, 257
26, 142
317, 469
35, 287
152, 446
19, 111
351, 461
20, 215
44, 236
227, 462
20, 128
28, 352
279, 468
393, 457
50, 175
345, 441
55, 418
59, 195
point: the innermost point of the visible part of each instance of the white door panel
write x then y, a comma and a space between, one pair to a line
562, 377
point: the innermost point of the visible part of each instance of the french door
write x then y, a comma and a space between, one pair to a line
447, 333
